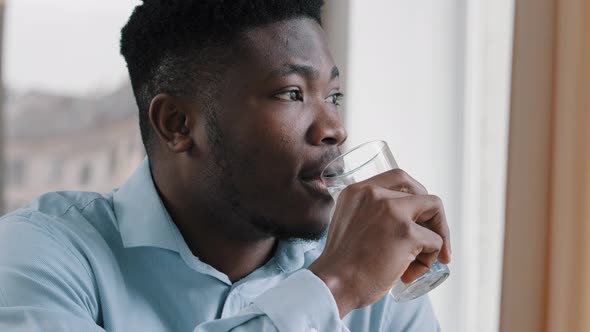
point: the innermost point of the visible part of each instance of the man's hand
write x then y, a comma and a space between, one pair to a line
383, 229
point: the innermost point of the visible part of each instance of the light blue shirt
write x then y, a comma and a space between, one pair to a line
78, 261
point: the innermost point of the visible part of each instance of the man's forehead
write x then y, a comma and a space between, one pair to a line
277, 31
293, 46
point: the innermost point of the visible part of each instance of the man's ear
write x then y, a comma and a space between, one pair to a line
172, 120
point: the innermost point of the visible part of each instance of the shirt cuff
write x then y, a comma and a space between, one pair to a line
302, 302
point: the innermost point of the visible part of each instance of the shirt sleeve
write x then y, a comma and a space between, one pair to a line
44, 286
302, 302
415, 315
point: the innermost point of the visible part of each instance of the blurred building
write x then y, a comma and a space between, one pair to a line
69, 143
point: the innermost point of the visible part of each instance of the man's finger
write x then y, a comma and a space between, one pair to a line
431, 214
397, 180
430, 245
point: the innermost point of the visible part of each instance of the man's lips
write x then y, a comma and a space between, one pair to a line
311, 177
315, 184
332, 169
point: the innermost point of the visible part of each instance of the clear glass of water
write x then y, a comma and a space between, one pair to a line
359, 164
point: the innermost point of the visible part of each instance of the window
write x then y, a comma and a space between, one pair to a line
56, 171
65, 102
16, 172
113, 161
131, 147
85, 174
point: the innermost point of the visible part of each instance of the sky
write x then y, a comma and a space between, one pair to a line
65, 46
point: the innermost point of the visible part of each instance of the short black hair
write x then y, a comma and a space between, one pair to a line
179, 46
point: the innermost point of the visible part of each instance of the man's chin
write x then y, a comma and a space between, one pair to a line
309, 231
302, 234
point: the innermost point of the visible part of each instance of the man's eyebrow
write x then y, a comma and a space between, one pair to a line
306, 71
302, 70
335, 73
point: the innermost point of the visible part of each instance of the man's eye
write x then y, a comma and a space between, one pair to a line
335, 98
291, 95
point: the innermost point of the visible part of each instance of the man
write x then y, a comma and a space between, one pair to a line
222, 227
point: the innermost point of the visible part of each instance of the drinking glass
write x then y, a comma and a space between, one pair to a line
359, 164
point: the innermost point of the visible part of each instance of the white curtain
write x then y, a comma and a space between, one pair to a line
432, 78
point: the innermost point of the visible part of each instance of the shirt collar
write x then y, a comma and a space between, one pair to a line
291, 254
141, 215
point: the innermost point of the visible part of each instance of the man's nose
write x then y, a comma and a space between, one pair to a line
327, 127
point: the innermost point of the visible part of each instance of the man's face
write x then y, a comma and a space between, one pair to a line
277, 125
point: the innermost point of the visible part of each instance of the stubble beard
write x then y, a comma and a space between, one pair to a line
226, 196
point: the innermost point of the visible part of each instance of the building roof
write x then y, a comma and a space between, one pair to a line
37, 115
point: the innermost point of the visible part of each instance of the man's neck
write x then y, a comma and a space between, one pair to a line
236, 258
236, 249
